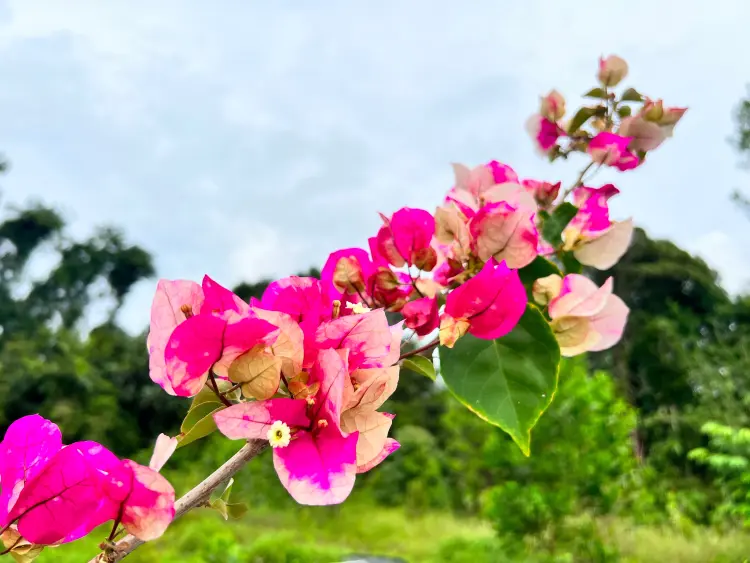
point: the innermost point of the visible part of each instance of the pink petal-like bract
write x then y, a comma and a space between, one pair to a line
501, 173
318, 469
610, 323
583, 193
29, 444
174, 301
194, 346
251, 421
218, 299
345, 274
390, 446
605, 315
543, 132
242, 334
411, 231
73, 494
303, 299
591, 221
366, 336
492, 302
421, 315
163, 450
149, 507
394, 351
608, 148
580, 297
505, 233
331, 371
373, 430
604, 251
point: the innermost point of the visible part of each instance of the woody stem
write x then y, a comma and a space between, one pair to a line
194, 498
215, 388
578, 182
420, 350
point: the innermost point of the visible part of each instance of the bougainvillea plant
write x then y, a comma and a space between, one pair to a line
493, 280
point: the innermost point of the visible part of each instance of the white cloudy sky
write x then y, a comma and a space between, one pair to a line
249, 139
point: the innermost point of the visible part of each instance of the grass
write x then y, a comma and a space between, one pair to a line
353, 528
308, 535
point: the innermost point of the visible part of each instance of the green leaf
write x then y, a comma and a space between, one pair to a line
195, 414
596, 93
202, 428
555, 223
581, 117
228, 491
624, 111
509, 382
539, 268
571, 263
421, 365
221, 507
631, 95
206, 395
236, 510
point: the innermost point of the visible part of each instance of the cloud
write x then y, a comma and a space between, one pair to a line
253, 140
726, 255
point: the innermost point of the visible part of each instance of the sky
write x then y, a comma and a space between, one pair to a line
249, 139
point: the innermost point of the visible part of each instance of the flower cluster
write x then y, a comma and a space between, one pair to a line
612, 132
54, 493
311, 380
308, 366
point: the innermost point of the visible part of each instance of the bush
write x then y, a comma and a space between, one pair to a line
581, 456
286, 548
487, 550
414, 477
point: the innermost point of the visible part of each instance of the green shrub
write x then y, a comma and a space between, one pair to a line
286, 548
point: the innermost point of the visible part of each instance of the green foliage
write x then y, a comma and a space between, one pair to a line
414, 477
421, 365
728, 458
510, 381
586, 431
484, 550
555, 224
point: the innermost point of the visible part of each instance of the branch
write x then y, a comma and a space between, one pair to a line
420, 350
194, 498
578, 182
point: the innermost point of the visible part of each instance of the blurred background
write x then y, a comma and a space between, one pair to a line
248, 140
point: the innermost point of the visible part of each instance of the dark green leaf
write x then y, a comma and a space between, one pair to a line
596, 93
631, 95
624, 111
509, 382
555, 223
421, 365
571, 264
581, 117
539, 268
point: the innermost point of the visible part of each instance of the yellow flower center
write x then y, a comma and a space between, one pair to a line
279, 435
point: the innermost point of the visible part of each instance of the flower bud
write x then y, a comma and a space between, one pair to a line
546, 289
612, 70
599, 124
553, 106
653, 111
